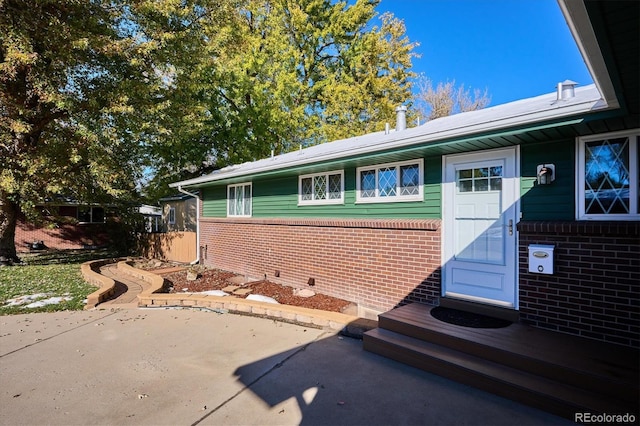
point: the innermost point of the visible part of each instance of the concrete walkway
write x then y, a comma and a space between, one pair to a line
127, 288
187, 367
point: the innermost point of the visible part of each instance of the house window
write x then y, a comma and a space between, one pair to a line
390, 182
172, 216
239, 200
483, 179
608, 176
321, 188
91, 215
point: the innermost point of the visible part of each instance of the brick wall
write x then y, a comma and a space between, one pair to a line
60, 236
595, 290
378, 264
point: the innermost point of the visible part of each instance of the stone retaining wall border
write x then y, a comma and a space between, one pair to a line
150, 298
106, 286
294, 314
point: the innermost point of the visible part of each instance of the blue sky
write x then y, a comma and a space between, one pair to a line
514, 48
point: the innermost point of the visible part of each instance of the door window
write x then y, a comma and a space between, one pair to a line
479, 230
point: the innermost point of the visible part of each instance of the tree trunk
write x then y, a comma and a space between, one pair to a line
8, 219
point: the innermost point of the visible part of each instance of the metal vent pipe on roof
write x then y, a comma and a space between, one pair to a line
566, 90
401, 118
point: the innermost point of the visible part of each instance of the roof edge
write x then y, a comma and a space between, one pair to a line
405, 140
580, 25
577, 18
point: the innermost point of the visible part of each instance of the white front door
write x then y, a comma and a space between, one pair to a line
480, 209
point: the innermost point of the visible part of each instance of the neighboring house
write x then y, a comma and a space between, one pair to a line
179, 213
450, 209
64, 223
176, 239
151, 218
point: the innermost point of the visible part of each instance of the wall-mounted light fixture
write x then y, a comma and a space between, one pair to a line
312, 281
546, 173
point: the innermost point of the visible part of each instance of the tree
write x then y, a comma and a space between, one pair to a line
447, 99
95, 93
81, 90
299, 73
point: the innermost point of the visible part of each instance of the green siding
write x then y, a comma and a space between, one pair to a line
557, 200
433, 187
214, 201
275, 197
278, 197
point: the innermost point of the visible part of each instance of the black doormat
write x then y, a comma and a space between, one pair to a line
467, 319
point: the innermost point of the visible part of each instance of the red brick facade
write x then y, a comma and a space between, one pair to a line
60, 236
381, 264
595, 290
378, 264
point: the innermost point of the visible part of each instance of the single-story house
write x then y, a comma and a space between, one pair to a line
151, 218
64, 223
530, 207
175, 237
179, 213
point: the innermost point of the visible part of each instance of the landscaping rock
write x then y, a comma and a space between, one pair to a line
215, 279
304, 292
214, 293
237, 280
261, 298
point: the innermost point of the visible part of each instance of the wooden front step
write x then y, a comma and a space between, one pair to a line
529, 389
518, 362
480, 308
579, 362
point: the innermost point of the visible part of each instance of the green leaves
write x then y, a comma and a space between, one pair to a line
277, 74
93, 93
64, 79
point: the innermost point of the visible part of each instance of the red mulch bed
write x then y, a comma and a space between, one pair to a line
213, 279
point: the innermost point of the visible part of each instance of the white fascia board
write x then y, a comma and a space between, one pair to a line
575, 13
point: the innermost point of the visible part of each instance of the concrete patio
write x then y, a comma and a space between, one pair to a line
169, 366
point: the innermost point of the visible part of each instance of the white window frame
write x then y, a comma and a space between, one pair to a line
172, 216
240, 185
396, 198
634, 214
325, 201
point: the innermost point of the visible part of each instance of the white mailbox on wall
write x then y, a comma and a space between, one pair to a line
541, 258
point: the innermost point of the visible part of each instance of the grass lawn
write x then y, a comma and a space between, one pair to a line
47, 276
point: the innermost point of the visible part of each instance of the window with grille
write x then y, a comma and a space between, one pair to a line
239, 200
608, 176
483, 179
321, 188
390, 182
